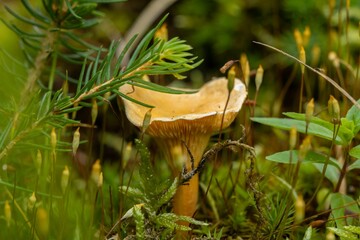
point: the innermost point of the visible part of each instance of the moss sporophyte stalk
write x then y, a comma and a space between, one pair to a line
182, 124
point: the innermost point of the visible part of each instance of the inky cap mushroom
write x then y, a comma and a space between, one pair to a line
179, 121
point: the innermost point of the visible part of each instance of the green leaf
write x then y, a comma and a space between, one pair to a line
68, 4
355, 152
117, 68
340, 204
354, 165
132, 192
353, 229
192, 220
35, 13
24, 19
4, 134
70, 110
354, 115
141, 47
158, 88
147, 174
167, 196
345, 129
72, 36
292, 157
168, 220
139, 221
343, 234
332, 173
131, 99
44, 105
308, 233
314, 129
348, 125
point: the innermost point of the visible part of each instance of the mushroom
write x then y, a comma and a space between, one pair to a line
184, 122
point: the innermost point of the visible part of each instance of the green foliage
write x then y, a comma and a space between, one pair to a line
317, 159
278, 217
308, 233
291, 157
35, 127
342, 133
353, 115
355, 152
212, 235
139, 220
317, 126
347, 233
152, 195
340, 204
55, 27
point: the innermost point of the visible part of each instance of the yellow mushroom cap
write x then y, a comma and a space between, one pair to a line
199, 112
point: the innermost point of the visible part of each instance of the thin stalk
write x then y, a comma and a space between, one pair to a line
296, 172
90, 149
103, 129
223, 116
64, 207
291, 167
329, 38
326, 212
20, 211
347, 30
52, 183
335, 132
285, 88
111, 208
218, 141
223, 195
53, 67
342, 173
357, 78
301, 92
101, 235
340, 27
93, 210
342, 82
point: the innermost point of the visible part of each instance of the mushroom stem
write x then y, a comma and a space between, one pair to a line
186, 197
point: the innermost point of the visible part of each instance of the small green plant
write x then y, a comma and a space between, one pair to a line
152, 194
339, 131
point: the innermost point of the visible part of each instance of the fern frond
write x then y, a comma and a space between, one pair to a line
139, 221
169, 220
